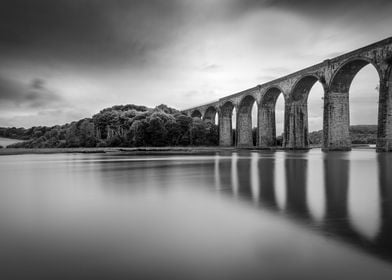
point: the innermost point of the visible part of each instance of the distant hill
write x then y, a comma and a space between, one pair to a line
360, 134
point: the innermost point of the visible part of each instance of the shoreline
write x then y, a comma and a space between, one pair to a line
113, 150
148, 150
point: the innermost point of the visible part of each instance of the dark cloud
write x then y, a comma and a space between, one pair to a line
130, 31
87, 30
318, 8
34, 95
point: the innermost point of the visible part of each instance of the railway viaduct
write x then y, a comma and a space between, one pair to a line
335, 75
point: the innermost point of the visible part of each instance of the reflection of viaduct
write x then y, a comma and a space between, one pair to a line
336, 221
335, 75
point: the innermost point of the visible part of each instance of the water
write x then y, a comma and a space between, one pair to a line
244, 215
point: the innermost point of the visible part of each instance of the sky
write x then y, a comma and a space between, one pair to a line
65, 60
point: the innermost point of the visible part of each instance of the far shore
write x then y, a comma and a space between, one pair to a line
135, 150
143, 150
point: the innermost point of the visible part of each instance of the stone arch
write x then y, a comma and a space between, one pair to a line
196, 114
302, 88
271, 95
209, 115
266, 117
336, 104
342, 78
244, 121
296, 113
225, 124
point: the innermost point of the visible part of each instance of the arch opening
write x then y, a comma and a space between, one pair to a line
244, 122
363, 96
301, 100
302, 88
254, 123
343, 78
353, 81
196, 114
234, 125
210, 114
315, 108
279, 120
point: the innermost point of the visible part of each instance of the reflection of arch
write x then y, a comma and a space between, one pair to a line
364, 200
266, 118
210, 114
225, 166
225, 124
196, 114
336, 223
244, 121
244, 175
336, 182
266, 170
296, 174
336, 108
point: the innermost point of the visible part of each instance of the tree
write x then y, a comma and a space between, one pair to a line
212, 137
155, 133
121, 125
198, 132
137, 135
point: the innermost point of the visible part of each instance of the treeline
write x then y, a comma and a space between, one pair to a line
134, 126
17, 133
360, 134
120, 126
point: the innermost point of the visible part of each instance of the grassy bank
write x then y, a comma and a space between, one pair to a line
139, 150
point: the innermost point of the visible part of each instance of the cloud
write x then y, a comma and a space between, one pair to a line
317, 8
33, 95
210, 67
90, 54
86, 31
48, 117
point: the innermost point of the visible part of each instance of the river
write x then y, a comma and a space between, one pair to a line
227, 215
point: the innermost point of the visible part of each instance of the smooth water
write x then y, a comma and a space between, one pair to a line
244, 215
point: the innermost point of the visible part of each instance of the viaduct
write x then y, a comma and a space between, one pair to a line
335, 75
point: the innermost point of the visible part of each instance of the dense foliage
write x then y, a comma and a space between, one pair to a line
360, 134
121, 126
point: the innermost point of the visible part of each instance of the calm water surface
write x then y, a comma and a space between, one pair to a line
241, 215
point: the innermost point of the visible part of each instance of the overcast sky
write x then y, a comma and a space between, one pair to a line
64, 60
